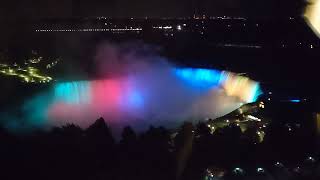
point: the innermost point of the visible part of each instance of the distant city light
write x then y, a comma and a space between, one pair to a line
253, 118
260, 170
113, 30
297, 169
261, 105
26, 74
238, 171
311, 159
241, 46
279, 164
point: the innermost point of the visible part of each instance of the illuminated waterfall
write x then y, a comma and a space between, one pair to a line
164, 97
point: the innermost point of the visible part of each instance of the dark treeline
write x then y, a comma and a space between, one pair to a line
70, 152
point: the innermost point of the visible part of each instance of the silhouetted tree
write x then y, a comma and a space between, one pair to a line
100, 131
128, 136
71, 130
202, 129
100, 150
155, 156
251, 135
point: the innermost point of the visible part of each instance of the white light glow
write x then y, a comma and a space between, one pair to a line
312, 16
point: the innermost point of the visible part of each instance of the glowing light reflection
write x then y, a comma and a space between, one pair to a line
295, 100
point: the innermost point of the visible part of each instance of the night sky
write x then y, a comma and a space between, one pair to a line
13, 9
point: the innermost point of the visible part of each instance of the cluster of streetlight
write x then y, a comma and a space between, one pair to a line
28, 75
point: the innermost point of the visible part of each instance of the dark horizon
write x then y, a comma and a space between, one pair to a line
15, 9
